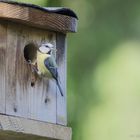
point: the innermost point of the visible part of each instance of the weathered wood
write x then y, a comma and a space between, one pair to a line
62, 65
37, 18
10, 83
57, 10
10, 135
3, 38
27, 126
38, 102
27, 100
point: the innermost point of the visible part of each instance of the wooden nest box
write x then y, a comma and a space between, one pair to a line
32, 109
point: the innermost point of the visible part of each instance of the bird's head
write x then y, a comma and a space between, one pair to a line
46, 48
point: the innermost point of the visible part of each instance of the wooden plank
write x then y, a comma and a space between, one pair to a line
35, 127
3, 36
10, 83
38, 102
62, 68
10, 135
57, 10
38, 18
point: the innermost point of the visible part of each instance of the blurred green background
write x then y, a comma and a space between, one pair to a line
103, 69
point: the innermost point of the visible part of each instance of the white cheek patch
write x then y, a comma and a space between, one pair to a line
50, 45
44, 49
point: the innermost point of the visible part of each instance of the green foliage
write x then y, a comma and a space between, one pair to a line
54, 3
103, 70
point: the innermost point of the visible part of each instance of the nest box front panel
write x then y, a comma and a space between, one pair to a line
3, 35
18, 96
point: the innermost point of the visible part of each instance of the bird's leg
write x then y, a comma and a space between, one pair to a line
34, 69
33, 66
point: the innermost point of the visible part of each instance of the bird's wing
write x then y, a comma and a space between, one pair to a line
51, 66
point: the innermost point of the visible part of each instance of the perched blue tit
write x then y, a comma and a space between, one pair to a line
46, 64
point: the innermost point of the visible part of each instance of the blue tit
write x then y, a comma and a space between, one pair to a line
46, 63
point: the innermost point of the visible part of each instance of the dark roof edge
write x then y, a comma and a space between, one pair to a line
61, 10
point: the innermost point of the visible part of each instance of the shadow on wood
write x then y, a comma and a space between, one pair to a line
10, 135
30, 52
27, 126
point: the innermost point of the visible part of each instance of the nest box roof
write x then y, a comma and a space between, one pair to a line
55, 19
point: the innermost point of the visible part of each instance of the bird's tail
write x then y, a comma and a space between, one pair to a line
60, 89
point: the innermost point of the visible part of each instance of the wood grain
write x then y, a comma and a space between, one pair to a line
11, 135
38, 102
38, 18
10, 83
3, 45
35, 127
18, 98
62, 70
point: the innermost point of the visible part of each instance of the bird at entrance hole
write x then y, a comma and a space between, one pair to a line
46, 65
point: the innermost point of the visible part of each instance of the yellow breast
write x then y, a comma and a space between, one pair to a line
40, 64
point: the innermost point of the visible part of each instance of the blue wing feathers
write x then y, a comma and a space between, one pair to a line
50, 66
53, 70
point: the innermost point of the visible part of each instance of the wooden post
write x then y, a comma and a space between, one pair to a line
37, 109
